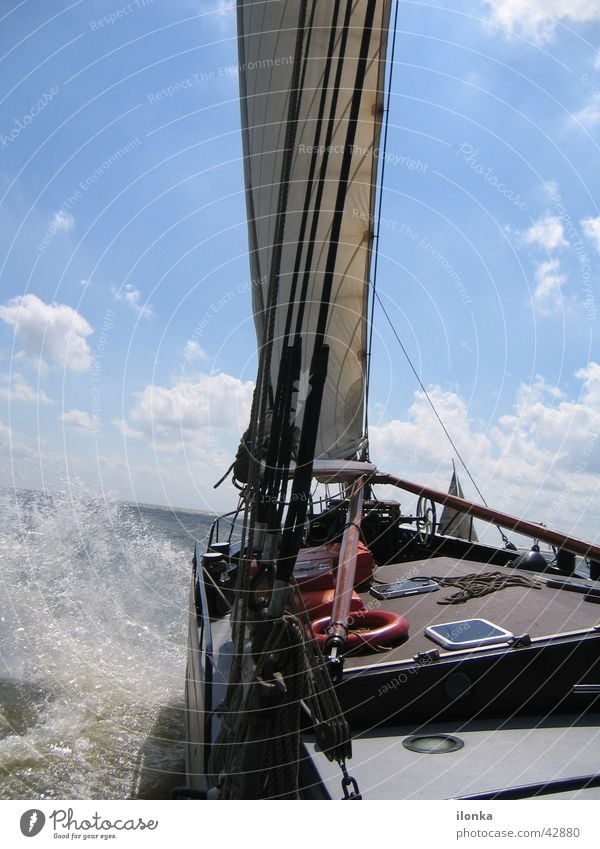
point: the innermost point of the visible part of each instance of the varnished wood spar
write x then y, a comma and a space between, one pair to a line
504, 520
347, 564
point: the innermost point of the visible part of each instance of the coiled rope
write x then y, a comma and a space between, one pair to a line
476, 585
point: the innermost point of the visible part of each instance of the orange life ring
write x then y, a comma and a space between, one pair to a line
367, 629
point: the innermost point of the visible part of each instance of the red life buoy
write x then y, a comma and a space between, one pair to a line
367, 629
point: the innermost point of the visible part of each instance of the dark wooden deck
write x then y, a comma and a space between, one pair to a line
521, 610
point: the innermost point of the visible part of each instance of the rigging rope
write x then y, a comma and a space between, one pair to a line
436, 414
376, 235
257, 753
375, 295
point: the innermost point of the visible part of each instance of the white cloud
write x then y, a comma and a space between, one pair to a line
51, 334
193, 351
551, 187
62, 221
389, 440
221, 9
79, 421
132, 297
193, 414
5, 434
16, 389
547, 232
540, 461
589, 116
590, 375
547, 293
566, 433
126, 430
591, 229
537, 19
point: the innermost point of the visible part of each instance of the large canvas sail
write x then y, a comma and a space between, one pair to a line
311, 85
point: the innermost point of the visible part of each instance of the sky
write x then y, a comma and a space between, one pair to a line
127, 348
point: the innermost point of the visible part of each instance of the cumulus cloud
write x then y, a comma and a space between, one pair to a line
538, 19
547, 296
133, 298
564, 433
221, 9
591, 229
547, 232
589, 116
193, 413
62, 221
541, 460
193, 351
16, 390
126, 430
551, 187
52, 334
5, 434
79, 421
421, 433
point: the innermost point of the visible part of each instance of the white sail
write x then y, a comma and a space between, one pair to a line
454, 523
306, 68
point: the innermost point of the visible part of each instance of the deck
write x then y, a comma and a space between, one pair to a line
521, 610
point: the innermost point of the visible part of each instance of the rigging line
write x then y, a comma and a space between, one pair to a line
313, 163
344, 177
282, 404
428, 397
378, 223
375, 295
329, 124
263, 384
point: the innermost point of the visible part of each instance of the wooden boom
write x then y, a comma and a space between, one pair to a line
504, 520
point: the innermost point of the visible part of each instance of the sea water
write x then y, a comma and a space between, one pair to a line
93, 632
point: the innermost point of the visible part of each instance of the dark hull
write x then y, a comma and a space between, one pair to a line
538, 679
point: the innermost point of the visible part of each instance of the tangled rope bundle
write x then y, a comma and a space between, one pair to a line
476, 585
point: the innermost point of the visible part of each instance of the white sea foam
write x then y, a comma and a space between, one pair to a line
92, 646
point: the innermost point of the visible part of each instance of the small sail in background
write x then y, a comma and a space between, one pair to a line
454, 523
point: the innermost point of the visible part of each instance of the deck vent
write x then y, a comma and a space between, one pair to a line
432, 744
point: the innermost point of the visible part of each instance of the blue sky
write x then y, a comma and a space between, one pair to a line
126, 343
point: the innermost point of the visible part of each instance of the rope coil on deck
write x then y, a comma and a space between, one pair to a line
476, 585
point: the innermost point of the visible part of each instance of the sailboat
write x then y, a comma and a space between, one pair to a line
340, 647
452, 522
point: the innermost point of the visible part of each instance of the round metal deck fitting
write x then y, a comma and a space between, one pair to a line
432, 744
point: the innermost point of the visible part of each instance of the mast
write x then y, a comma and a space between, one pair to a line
311, 94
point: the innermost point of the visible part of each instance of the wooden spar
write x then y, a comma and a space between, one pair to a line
347, 564
504, 520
